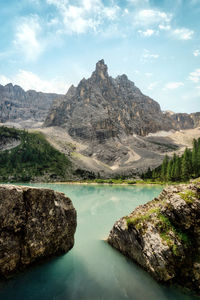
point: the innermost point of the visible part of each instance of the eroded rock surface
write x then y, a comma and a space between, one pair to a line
35, 223
163, 236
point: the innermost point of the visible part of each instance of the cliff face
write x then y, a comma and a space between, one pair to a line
163, 236
16, 104
181, 121
102, 107
35, 224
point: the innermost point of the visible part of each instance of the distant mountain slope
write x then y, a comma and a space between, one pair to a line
28, 156
102, 107
16, 104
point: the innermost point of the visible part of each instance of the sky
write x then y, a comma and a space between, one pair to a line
47, 45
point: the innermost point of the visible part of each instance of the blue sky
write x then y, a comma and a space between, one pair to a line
48, 45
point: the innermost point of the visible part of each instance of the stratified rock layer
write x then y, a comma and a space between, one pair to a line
35, 223
163, 236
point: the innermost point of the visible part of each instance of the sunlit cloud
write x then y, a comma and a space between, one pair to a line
195, 76
148, 55
183, 33
196, 52
30, 81
84, 15
148, 17
147, 33
27, 38
173, 85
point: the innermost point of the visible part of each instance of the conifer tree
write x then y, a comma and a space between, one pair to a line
185, 165
169, 170
164, 168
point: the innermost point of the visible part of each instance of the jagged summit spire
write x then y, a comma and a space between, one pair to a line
101, 70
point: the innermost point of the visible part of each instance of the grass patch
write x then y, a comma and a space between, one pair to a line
137, 220
188, 196
165, 227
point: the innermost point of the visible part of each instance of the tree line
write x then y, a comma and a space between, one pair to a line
33, 157
178, 168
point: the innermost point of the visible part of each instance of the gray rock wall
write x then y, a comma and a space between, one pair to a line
35, 224
16, 104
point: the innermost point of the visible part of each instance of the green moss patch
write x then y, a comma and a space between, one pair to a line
168, 232
188, 196
139, 219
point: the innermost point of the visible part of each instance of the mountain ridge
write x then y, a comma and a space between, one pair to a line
17, 104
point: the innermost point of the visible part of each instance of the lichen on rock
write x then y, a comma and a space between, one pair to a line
35, 224
163, 236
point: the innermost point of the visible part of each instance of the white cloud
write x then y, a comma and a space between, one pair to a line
195, 76
196, 52
183, 33
84, 15
4, 80
150, 17
173, 85
152, 85
148, 55
164, 27
147, 33
30, 81
27, 38
126, 11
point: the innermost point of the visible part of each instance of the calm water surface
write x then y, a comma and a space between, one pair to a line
93, 270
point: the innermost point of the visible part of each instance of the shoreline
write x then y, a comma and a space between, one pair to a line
105, 183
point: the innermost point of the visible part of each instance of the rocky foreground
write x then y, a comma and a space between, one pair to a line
163, 236
35, 223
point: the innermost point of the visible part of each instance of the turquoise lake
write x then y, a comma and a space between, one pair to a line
93, 270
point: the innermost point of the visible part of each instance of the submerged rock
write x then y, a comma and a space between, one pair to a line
35, 223
163, 236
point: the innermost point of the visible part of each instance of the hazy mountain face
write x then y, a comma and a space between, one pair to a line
16, 104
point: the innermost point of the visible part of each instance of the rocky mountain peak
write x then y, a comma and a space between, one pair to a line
102, 107
101, 71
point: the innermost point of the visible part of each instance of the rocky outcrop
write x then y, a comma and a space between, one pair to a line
16, 104
35, 223
163, 236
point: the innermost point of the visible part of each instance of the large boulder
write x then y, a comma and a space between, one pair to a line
163, 236
35, 223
